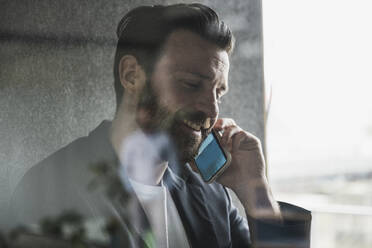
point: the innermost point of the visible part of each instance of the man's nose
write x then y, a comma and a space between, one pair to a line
208, 104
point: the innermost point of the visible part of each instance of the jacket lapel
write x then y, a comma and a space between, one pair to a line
191, 205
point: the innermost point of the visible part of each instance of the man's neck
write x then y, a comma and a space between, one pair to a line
123, 125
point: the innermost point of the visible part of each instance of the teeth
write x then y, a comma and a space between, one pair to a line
192, 125
207, 123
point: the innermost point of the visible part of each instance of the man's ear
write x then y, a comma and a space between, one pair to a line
130, 74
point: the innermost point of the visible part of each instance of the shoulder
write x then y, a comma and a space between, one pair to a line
60, 182
70, 164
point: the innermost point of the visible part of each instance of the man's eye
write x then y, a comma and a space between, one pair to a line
191, 85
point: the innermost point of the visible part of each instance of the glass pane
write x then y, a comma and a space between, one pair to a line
319, 133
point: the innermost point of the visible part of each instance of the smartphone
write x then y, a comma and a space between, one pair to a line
212, 158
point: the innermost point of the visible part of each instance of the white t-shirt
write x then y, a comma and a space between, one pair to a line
163, 215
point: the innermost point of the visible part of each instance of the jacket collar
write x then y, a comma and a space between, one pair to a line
190, 201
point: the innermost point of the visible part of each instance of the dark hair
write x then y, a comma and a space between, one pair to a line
143, 31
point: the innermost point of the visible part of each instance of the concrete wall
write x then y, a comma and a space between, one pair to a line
56, 77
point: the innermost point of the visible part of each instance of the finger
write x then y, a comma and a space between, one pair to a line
245, 141
228, 134
218, 125
223, 123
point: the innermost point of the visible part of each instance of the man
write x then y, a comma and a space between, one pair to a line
171, 68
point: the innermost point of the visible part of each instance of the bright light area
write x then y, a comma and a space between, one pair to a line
318, 69
318, 60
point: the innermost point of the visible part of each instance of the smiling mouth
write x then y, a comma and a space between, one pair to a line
198, 126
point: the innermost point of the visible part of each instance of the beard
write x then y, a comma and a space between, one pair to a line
155, 117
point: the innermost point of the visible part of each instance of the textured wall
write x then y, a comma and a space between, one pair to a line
56, 75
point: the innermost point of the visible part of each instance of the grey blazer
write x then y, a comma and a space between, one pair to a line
59, 183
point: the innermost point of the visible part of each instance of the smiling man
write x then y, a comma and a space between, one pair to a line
171, 69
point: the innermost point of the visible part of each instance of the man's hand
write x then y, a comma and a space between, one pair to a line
246, 173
